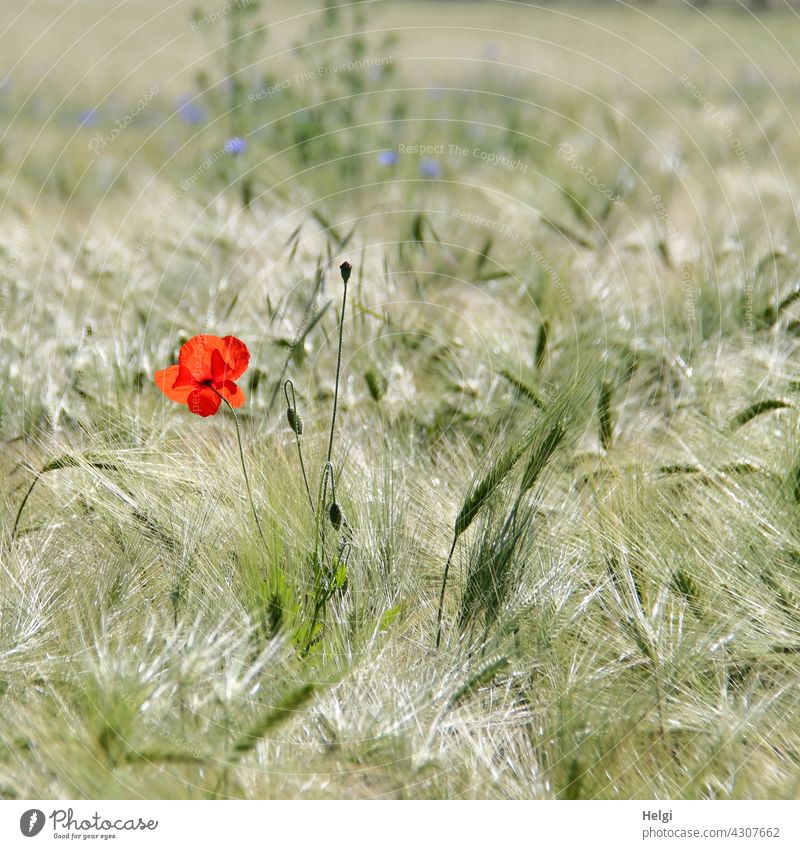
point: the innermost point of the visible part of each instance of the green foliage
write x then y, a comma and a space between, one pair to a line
757, 409
605, 422
482, 491
496, 568
286, 709
592, 406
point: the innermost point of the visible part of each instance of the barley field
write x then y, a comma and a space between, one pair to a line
505, 502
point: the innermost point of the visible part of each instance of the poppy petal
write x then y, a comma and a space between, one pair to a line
232, 393
165, 381
236, 356
203, 401
184, 378
195, 355
219, 368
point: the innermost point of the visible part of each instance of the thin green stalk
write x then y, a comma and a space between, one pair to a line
22, 506
59, 463
345, 269
244, 468
319, 606
441, 594
296, 428
319, 546
327, 474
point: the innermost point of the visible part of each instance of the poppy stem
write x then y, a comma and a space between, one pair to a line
296, 428
244, 468
338, 365
327, 475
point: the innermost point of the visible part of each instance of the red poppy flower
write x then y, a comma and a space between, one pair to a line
205, 374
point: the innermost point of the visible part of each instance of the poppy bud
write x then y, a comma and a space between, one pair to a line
345, 268
335, 515
295, 422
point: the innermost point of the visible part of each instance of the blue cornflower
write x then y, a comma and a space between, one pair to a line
235, 146
430, 168
190, 111
388, 157
88, 118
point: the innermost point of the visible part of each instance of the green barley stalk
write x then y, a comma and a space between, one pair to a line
54, 465
605, 422
286, 709
542, 452
541, 343
544, 438
475, 502
765, 406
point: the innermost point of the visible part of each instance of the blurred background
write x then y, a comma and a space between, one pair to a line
515, 184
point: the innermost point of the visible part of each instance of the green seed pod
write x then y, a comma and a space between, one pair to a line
295, 421
335, 515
